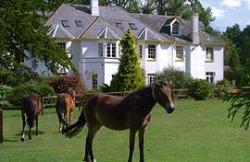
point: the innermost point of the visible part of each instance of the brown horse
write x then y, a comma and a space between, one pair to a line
64, 106
31, 108
131, 112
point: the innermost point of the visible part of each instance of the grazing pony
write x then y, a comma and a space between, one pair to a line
119, 113
64, 106
31, 108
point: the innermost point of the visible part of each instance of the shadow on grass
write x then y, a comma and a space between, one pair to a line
32, 131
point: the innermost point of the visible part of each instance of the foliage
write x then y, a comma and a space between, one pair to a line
200, 89
177, 78
221, 88
4, 90
17, 93
23, 75
129, 76
62, 83
24, 37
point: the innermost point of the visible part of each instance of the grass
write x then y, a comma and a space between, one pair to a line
198, 131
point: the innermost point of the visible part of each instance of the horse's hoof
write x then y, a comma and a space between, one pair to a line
30, 137
22, 139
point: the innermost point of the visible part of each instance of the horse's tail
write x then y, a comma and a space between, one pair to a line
75, 128
60, 109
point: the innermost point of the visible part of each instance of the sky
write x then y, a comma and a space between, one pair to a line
229, 12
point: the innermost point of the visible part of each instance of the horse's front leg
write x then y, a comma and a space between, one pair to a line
141, 143
30, 136
132, 134
24, 123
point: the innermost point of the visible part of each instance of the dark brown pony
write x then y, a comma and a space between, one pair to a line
64, 106
119, 113
31, 108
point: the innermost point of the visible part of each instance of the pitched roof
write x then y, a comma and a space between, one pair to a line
114, 21
58, 31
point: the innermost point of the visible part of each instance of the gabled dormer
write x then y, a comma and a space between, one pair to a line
172, 27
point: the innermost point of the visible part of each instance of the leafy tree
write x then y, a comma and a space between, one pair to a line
24, 36
129, 76
233, 33
245, 45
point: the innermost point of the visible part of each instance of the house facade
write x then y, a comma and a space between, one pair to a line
91, 36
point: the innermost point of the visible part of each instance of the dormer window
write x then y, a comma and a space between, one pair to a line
119, 25
132, 26
175, 28
65, 23
79, 23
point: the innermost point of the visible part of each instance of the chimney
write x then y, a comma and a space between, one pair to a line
195, 29
94, 8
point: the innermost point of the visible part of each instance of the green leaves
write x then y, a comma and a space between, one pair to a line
23, 35
129, 76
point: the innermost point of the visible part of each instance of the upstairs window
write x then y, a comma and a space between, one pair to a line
179, 53
62, 45
65, 23
132, 26
209, 54
151, 52
176, 28
111, 50
140, 51
79, 23
100, 49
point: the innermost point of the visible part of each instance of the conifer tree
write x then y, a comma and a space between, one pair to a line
129, 76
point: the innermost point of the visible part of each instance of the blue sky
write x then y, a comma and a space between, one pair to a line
229, 12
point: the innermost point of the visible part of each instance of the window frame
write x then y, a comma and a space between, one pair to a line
111, 50
177, 54
94, 81
209, 57
175, 28
151, 78
210, 76
151, 52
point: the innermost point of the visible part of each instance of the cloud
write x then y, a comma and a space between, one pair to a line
218, 13
248, 3
232, 3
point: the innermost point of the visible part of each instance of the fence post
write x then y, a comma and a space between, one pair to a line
1, 125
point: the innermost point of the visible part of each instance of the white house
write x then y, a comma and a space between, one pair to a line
92, 34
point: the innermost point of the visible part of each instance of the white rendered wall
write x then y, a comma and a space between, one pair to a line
217, 66
197, 62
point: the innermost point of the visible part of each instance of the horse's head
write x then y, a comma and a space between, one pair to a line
164, 95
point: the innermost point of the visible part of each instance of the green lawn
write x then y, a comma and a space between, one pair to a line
195, 132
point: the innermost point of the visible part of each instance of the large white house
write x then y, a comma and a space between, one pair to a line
92, 34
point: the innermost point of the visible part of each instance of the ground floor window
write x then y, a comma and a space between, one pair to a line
94, 81
151, 78
210, 77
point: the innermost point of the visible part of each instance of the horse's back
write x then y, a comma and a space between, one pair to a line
106, 110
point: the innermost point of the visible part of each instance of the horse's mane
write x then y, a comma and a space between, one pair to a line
140, 95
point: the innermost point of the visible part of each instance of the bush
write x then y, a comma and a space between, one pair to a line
221, 88
177, 78
4, 90
200, 89
62, 83
17, 93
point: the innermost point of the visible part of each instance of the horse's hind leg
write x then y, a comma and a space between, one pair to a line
37, 125
141, 143
24, 123
131, 144
89, 155
30, 136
